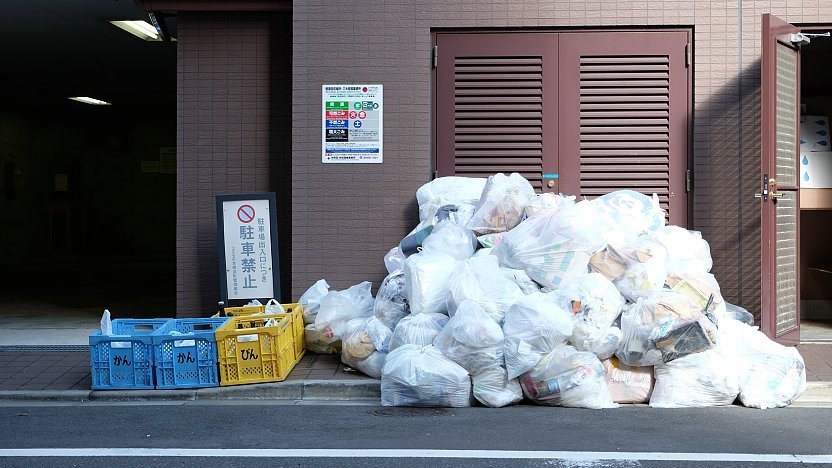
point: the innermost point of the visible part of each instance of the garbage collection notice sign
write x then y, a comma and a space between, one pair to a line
352, 128
247, 240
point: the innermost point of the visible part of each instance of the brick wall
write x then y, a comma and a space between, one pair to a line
352, 214
223, 135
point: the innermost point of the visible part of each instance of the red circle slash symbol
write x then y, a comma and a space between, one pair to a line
245, 213
353, 115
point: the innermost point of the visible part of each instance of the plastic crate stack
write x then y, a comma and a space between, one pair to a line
202, 352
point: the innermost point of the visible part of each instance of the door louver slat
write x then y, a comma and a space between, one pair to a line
625, 124
498, 116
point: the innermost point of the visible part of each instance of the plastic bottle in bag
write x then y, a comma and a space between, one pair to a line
391, 303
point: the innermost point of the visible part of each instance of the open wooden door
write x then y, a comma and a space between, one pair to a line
779, 184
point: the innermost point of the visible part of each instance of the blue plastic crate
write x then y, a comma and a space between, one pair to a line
124, 360
188, 358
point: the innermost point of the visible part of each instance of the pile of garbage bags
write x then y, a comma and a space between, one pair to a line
501, 294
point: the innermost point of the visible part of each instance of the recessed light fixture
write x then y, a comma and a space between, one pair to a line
141, 29
89, 100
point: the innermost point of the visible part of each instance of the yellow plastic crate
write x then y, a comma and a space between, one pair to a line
245, 310
249, 352
295, 310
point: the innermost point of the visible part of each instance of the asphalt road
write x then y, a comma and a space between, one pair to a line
254, 434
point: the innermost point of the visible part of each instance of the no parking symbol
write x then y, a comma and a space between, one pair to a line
245, 213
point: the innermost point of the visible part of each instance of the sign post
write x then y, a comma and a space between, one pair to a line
247, 248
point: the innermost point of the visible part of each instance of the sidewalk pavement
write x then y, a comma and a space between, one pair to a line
62, 373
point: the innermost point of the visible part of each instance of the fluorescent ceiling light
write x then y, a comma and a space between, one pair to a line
89, 100
141, 29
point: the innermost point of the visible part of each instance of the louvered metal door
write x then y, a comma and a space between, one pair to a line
496, 104
624, 115
779, 191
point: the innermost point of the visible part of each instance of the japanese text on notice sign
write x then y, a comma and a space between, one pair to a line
248, 255
352, 123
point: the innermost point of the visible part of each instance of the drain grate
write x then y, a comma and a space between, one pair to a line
410, 412
44, 348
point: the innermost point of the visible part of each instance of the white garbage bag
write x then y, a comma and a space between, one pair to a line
533, 327
628, 384
568, 377
391, 303
365, 345
696, 380
502, 204
423, 376
311, 300
770, 375
646, 267
547, 202
738, 313
662, 328
521, 279
686, 250
426, 276
595, 304
634, 213
339, 307
471, 338
556, 245
493, 388
394, 260
417, 329
479, 279
450, 239
463, 192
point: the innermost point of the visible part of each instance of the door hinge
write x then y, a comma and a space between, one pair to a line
687, 55
435, 56
688, 181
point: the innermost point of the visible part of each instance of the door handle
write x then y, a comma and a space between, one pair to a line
776, 195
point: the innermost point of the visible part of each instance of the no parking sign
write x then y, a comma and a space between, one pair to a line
247, 247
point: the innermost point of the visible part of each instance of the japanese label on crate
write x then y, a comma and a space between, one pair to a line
352, 123
248, 249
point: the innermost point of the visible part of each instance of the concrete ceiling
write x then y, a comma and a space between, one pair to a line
52, 49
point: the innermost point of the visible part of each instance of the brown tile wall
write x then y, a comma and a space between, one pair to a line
347, 216
223, 135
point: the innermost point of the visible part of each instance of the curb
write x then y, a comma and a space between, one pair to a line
320, 390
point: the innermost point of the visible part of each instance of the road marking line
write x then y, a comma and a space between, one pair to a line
415, 453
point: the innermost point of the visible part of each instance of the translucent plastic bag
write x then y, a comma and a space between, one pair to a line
628, 384
700, 287
503, 202
533, 327
365, 345
471, 338
450, 239
595, 304
479, 279
697, 380
568, 377
770, 375
391, 300
493, 388
417, 329
464, 192
423, 376
426, 277
686, 250
311, 300
738, 313
321, 342
633, 212
646, 267
394, 260
555, 246
339, 307
521, 279
663, 328
547, 202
